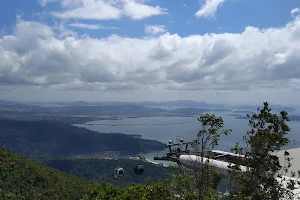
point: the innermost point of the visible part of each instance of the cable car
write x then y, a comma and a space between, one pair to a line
119, 172
139, 169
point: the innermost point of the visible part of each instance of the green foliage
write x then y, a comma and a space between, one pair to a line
103, 170
168, 189
22, 178
186, 186
45, 138
268, 134
209, 134
206, 178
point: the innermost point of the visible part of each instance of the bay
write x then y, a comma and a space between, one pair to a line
170, 128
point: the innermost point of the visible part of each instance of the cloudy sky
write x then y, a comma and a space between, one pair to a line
220, 51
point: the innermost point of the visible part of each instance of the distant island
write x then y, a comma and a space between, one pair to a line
81, 112
276, 108
239, 116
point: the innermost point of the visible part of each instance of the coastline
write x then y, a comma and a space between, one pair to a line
149, 157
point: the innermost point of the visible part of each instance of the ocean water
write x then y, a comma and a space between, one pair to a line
170, 128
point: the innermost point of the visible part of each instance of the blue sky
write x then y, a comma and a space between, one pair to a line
183, 48
231, 16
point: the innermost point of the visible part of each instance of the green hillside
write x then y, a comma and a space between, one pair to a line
48, 138
21, 178
102, 170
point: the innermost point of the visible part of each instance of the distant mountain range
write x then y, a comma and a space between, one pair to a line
274, 107
178, 103
81, 111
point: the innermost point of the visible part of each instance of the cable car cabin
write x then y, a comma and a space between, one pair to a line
139, 169
119, 172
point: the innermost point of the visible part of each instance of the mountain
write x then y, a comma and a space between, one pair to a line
81, 113
180, 103
21, 178
191, 111
3, 102
276, 108
48, 138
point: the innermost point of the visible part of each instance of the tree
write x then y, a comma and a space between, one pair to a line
208, 138
265, 175
202, 181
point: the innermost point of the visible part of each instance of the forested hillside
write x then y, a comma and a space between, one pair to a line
103, 170
48, 138
21, 178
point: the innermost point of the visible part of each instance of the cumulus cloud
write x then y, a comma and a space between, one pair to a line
295, 12
254, 59
45, 2
98, 10
209, 8
105, 9
155, 29
90, 26
136, 10
63, 3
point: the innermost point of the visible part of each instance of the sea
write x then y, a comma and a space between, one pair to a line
172, 128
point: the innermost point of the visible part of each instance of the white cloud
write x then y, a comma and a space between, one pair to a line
295, 12
209, 8
90, 26
155, 29
98, 10
137, 10
45, 2
86, 26
64, 3
105, 9
256, 60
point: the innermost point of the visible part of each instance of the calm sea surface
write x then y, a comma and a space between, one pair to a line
169, 128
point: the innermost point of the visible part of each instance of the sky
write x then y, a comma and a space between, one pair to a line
218, 51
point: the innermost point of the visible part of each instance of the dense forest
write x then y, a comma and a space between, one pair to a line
22, 178
103, 170
48, 138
